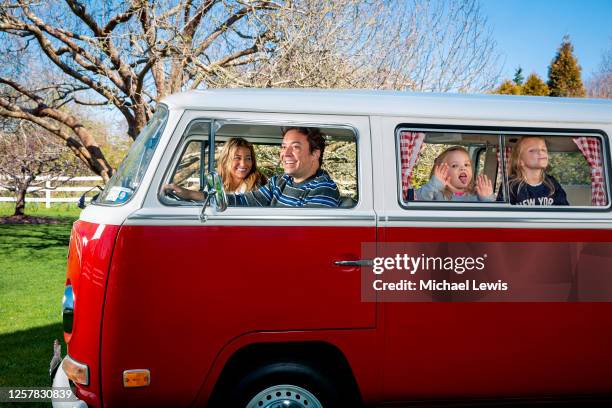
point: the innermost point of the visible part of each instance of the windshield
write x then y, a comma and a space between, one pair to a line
126, 180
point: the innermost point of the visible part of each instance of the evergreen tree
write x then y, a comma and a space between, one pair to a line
535, 86
564, 72
508, 88
518, 76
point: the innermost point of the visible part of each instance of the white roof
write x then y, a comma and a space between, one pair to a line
389, 103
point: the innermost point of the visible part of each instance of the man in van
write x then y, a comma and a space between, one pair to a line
304, 183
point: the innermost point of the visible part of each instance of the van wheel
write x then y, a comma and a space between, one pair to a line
286, 385
284, 396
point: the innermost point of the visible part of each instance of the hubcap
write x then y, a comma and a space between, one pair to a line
284, 396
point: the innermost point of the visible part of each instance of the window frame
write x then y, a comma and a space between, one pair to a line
502, 133
178, 154
217, 123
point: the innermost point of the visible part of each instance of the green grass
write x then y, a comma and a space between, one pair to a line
63, 211
32, 276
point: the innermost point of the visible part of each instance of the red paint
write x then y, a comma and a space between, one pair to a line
180, 301
88, 262
177, 296
451, 350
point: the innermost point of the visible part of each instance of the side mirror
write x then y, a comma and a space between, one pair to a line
215, 194
81, 204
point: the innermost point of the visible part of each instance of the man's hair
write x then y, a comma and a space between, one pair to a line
315, 138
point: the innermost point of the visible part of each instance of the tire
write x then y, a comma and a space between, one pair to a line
286, 385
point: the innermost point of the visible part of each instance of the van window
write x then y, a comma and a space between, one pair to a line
190, 163
566, 170
339, 158
419, 150
126, 180
572, 170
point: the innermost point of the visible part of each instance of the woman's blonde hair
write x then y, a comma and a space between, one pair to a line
516, 175
440, 159
224, 166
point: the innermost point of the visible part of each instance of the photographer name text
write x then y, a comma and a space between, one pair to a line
411, 265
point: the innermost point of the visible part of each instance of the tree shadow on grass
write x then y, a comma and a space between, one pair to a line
25, 357
33, 236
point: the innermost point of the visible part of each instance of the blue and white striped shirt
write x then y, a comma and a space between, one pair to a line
281, 191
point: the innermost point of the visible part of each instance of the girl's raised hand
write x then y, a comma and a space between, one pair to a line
484, 187
441, 172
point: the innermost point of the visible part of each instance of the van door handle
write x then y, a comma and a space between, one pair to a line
360, 262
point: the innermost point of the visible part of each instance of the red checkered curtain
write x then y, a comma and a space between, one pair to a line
590, 148
410, 147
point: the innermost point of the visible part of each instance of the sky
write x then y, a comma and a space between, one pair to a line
529, 32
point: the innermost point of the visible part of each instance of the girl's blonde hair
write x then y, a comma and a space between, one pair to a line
224, 167
517, 177
440, 159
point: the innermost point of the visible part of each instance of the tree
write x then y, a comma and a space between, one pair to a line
508, 88
518, 76
26, 154
534, 85
131, 54
564, 78
600, 86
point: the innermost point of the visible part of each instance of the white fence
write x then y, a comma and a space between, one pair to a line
73, 192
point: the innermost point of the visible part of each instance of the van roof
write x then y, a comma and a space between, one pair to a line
391, 103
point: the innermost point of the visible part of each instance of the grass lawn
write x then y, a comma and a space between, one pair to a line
64, 211
32, 275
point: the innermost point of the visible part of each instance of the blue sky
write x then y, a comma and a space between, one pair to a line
529, 32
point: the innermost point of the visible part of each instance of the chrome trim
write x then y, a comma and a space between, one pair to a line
359, 262
163, 217
68, 309
225, 217
394, 218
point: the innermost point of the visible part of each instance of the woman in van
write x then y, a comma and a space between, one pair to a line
237, 167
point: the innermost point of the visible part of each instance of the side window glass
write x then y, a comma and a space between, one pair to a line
448, 166
247, 156
190, 166
549, 170
341, 164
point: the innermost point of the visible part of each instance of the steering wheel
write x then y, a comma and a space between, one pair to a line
172, 194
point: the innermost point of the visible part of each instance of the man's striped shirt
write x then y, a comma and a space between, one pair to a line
281, 191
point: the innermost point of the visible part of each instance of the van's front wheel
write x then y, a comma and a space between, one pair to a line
285, 385
284, 396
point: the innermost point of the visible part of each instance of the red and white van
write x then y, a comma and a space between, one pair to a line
172, 304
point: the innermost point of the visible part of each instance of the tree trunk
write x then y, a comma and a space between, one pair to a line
20, 201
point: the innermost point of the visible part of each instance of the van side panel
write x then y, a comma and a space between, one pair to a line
497, 349
89, 256
177, 296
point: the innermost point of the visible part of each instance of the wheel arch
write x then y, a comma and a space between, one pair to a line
317, 355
